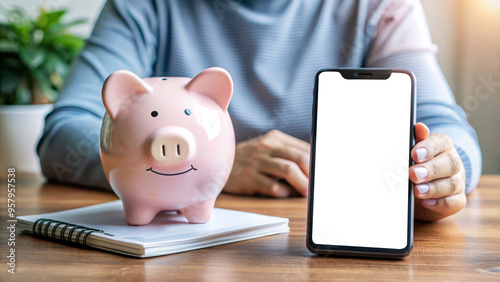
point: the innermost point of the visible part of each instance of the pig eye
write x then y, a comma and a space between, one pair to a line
154, 113
187, 112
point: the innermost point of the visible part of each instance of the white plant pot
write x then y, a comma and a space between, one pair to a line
20, 129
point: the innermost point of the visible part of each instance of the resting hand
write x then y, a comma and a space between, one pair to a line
439, 176
260, 163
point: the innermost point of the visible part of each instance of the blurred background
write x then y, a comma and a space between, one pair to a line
467, 33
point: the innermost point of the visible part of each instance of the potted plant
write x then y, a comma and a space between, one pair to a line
35, 55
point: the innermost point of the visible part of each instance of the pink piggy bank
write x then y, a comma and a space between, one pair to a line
167, 143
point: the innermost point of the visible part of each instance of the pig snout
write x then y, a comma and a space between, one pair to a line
172, 145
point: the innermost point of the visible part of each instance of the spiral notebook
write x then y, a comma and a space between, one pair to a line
104, 227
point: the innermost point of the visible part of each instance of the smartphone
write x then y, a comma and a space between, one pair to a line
360, 196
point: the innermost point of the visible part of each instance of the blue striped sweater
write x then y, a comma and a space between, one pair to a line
272, 49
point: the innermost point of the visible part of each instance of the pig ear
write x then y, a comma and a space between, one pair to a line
215, 83
120, 90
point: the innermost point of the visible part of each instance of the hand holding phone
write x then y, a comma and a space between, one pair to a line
439, 175
361, 199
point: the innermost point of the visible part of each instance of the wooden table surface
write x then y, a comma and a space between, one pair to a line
464, 247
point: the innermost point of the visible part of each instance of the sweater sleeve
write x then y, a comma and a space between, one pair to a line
401, 39
123, 38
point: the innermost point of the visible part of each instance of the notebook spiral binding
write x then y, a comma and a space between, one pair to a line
41, 229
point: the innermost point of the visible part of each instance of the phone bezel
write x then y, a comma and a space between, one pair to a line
349, 73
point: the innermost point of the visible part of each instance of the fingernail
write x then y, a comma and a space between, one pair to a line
306, 157
422, 188
429, 202
421, 154
421, 172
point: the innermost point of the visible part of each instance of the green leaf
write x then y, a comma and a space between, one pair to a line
40, 76
50, 18
61, 28
73, 23
23, 95
8, 46
55, 16
55, 64
32, 57
69, 41
21, 33
49, 92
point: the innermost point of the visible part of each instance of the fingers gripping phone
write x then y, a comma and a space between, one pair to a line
360, 196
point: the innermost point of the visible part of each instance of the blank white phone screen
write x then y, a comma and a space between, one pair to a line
361, 161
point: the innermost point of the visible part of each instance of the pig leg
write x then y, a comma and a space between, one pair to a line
200, 212
139, 214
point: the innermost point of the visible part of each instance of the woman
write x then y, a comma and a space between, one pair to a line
272, 50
